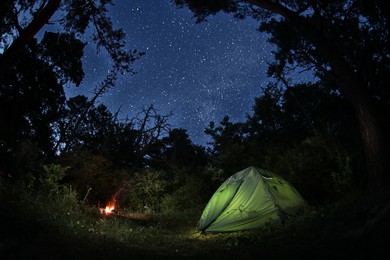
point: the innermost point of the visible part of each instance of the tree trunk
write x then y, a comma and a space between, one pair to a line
29, 32
372, 135
371, 127
356, 90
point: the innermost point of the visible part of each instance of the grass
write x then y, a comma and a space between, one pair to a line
52, 224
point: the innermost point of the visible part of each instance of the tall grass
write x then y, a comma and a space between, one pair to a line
44, 219
53, 212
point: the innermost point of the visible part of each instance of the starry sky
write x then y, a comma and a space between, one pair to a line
201, 72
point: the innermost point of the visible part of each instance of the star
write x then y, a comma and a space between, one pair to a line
201, 72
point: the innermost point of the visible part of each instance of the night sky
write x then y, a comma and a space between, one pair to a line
201, 72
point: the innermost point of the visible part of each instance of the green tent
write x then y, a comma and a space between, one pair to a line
248, 199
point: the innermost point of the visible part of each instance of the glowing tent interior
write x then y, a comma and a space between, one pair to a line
249, 199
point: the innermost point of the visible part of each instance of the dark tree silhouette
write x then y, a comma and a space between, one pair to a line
76, 15
32, 73
31, 101
346, 43
180, 152
306, 133
150, 127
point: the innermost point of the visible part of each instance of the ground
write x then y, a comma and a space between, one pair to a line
348, 230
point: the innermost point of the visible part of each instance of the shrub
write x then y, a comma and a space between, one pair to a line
319, 169
145, 190
191, 193
94, 177
52, 175
45, 199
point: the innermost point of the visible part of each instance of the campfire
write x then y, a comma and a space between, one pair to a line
111, 210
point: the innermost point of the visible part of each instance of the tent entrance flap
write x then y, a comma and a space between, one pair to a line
219, 202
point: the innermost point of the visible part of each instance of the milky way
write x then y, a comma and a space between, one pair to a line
201, 72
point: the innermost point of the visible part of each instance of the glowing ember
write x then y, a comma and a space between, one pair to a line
111, 205
110, 208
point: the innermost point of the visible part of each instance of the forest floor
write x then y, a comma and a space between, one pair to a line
353, 229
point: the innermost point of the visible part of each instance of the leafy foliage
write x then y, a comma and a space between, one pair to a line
145, 190
297, 139
30, 101
33, 73
66, 62
180, 152
190, 193
93, 177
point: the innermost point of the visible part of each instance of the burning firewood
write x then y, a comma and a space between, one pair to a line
110, 212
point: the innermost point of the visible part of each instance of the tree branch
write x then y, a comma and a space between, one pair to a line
273, 7
29, 32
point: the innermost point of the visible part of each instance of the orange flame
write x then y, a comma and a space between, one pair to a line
110, 207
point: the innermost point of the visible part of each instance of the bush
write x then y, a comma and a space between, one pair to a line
319, 169
94, 177
191, 193
52, 175
45, 199
145, 190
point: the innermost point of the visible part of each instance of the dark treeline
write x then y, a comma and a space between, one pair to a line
345, 43
328, 137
